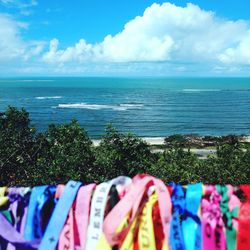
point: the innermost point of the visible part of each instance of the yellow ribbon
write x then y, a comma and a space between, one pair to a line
3, 199
128, 243
103, 243
146, 237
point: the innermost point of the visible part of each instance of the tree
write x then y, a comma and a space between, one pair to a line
16, 147
176, 165
65, 152
121, 154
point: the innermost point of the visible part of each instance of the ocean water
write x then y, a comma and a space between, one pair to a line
148, 107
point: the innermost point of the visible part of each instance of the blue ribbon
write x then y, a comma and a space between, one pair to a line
176, 234
191, 225
31, 222
39, 196
59, 216
45, 205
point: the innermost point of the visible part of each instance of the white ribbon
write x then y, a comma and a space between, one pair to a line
98, 205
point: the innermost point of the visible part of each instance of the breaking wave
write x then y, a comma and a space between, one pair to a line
47, 97
121, 107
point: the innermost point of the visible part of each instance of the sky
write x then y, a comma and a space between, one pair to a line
124, 38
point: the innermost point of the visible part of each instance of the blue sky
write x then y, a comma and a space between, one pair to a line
117, 37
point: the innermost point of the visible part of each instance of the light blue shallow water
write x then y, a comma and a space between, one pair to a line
149, 107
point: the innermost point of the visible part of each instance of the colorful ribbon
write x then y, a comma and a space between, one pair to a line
191, 224
176, 234
138, 214
3, 198
32, 227
59, 216
213, 237
243, 241
228, 214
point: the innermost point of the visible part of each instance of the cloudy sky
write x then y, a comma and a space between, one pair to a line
124, 38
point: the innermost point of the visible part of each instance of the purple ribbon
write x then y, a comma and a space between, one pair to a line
11, 235
18, 199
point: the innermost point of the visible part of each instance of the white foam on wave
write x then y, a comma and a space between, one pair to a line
84, 106
131, 105
47, 97
201, 90
120, 107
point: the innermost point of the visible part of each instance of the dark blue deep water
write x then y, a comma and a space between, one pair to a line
149, 107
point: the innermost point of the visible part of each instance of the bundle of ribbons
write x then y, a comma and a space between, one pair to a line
141, 213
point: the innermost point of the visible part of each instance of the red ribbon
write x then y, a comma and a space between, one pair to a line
243, 239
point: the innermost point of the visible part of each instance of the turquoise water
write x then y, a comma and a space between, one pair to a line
149, 107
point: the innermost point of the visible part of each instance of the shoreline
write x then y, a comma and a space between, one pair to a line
149, 140
159, 141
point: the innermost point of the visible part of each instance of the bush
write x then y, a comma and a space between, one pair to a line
64, 152
121, 154
16, 147
177, 165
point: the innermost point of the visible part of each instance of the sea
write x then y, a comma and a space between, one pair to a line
147, 107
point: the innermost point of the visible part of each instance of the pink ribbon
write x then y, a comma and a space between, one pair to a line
82, 211
131, 202
74, 231
213, 237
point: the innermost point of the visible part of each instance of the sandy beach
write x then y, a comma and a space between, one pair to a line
160, 140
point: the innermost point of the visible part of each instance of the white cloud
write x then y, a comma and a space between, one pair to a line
166, 39
80, 51
12, 46
240, 54
165, 33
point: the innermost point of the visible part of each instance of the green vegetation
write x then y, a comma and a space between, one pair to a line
66, 152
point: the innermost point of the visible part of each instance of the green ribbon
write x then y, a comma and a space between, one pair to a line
228, 217
7, 215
